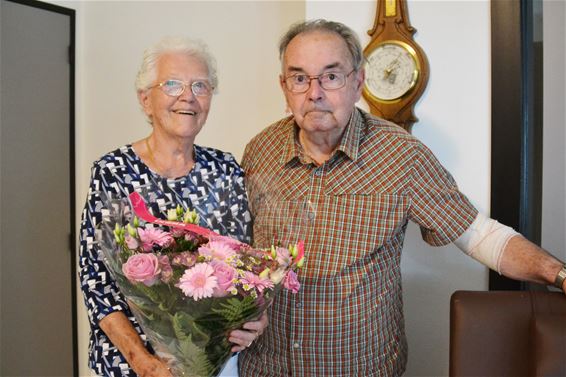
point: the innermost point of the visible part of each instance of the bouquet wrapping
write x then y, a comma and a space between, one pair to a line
187, 286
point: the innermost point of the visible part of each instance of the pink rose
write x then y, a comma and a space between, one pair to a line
142, 268
186, 258
291, 282
225, 275
166, 269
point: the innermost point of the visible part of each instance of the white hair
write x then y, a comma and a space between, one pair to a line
195, 48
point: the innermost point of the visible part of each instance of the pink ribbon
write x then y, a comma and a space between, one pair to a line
141, 211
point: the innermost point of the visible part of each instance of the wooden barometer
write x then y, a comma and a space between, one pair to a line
396, 66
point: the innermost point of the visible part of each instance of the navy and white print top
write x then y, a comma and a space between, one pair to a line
214, 188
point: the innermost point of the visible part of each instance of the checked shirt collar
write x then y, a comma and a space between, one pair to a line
349, 144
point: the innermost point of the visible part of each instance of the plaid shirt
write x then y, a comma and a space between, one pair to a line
352, 212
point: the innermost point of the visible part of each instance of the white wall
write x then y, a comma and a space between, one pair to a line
454, 115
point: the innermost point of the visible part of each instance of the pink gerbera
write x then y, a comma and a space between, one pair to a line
220, 250
198, 282
251, 280
231, 242
154, 236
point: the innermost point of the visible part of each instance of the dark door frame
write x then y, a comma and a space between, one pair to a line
516, 146
72, 231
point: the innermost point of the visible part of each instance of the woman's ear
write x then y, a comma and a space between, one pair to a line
145, 101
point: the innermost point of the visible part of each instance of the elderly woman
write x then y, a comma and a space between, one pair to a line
175, 86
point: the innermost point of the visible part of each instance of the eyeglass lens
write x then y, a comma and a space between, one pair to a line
175, 88
328, 81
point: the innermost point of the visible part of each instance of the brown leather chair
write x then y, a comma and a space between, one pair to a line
508, 333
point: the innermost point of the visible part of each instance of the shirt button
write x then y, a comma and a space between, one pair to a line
311, 215
318, 172
296, 345
299, 304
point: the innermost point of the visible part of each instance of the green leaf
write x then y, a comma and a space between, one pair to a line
150, 317
186, 329
194, 358
236, 310
161, 294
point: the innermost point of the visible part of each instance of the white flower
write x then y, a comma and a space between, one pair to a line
172, 214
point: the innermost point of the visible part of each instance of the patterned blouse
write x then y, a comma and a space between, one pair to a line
214, 188
347, 319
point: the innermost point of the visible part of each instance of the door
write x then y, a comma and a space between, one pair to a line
37, 272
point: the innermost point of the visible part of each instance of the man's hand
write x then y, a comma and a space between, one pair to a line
523, 260
250, 331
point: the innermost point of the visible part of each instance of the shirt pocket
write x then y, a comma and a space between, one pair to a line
352, 227
281, 221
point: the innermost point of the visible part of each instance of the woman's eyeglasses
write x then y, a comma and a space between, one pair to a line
175, 88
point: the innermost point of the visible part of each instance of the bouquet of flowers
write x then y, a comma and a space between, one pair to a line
187, 286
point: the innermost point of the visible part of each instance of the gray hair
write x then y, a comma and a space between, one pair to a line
347, 34
198, 49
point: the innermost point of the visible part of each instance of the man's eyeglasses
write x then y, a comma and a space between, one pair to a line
328, 81
175, 88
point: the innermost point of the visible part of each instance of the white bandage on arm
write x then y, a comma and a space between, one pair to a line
485, 241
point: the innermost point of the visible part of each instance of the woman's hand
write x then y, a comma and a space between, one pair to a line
151, 366
249, 332
122, 334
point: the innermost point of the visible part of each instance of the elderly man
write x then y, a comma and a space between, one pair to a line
361, 179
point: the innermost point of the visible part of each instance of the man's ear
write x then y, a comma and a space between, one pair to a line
359, 83
282, 82
284, 89
360, 78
